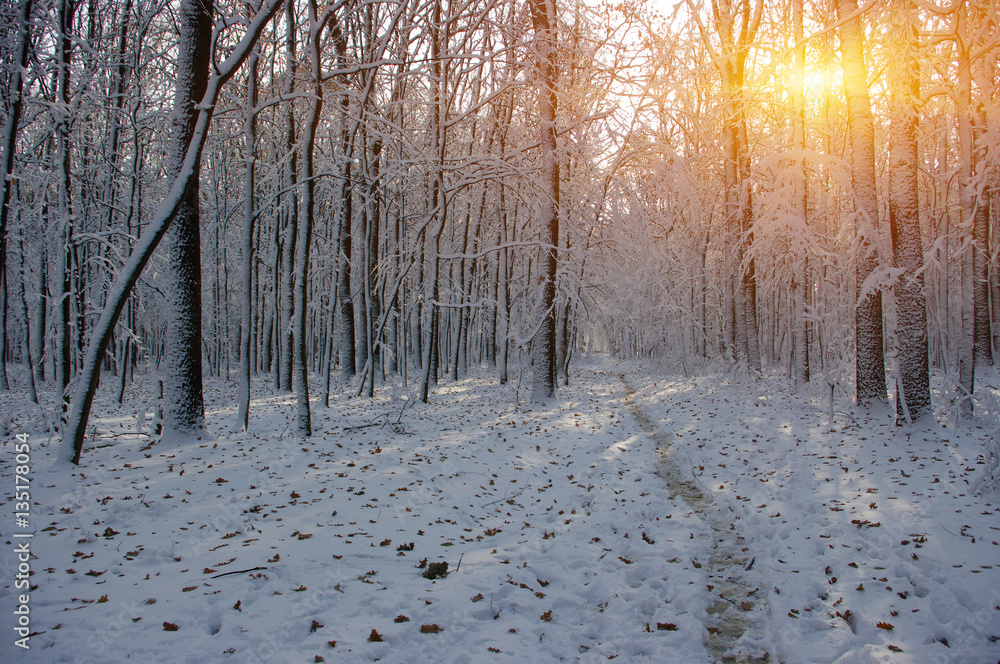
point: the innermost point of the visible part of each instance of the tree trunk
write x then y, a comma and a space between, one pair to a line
9, 146
869, 361
914, 396
160, 221
543, 20
246, 308
303, 243
185, 409
800, 352
291, 216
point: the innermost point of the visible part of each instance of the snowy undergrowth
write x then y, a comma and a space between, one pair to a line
562, 544
868, 537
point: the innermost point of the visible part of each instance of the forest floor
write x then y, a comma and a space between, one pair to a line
642, 516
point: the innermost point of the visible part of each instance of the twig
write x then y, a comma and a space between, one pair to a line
238, 571
505, 497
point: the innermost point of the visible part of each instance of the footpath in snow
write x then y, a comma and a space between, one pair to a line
565, 533
867, 539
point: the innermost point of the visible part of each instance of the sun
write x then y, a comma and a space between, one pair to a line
817, 83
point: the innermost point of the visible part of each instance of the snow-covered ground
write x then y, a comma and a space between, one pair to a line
562, 541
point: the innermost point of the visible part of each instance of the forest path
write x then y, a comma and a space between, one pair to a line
736, 605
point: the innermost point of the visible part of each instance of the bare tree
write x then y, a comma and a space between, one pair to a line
15, 106
543, 21
74, 433
870, 361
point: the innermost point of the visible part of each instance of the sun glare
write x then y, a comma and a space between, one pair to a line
816, 83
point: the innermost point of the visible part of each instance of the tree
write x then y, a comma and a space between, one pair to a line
800, 343
185, 409
870, 361
118, 293
913, 391
15, 106
300, 367
249, 255
543, 21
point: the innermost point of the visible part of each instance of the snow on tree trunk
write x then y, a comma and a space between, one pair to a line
64, 221
914, 397
800, 359
869, 358
286, 297
300, 369
543, 20
159, 222
15, 103
246, 306
184, 412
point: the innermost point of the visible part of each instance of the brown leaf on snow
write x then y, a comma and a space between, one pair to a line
430, 629
547, 616
169, 627
401, 619
239, 604
374, 636
666, 627
315, 626
884, 625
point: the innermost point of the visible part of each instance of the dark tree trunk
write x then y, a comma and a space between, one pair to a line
543, 19
185, 409
16, 105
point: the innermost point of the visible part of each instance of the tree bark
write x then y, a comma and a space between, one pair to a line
543, 21
185, 409
249, 201
16, 105
869, 359
800, 358
913, 400
118, 293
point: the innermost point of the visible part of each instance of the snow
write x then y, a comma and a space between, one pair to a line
562, 538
